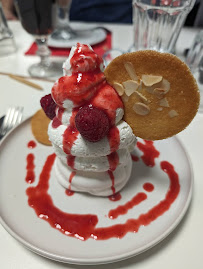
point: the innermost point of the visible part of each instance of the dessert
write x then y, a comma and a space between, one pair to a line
159, 92
92, 142
89, 137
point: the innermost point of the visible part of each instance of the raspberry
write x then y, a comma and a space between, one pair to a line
48, 105
92, 123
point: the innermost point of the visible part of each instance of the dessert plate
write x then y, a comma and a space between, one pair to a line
91, 37
154, 184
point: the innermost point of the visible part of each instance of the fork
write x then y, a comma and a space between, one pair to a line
11, 119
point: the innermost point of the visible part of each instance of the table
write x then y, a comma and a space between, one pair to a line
183, 247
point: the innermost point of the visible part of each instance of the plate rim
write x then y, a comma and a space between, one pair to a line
60, 46
115, 258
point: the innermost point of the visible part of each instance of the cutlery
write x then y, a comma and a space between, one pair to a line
12, 118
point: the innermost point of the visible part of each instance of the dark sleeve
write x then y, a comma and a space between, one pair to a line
102, 10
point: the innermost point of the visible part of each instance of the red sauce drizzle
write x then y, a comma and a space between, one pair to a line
71, 161
115, 197
134, 158
30, 175
113, 159
150, 152
133, 225
56, 122
60, 113
114, 138
111, 175
148, 187
71, 133
69, 192
31, 144
84, 226
80, 226
123, 209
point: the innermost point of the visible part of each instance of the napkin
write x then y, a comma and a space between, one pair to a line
99, 48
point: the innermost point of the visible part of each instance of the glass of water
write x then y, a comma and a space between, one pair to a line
157, 23
194, 60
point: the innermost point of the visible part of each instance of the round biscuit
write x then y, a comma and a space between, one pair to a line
183, 96
39, 125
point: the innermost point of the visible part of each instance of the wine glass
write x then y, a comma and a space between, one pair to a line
63, 30
64, 36
36, 19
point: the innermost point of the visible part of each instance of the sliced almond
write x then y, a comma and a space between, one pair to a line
140, 86
159, 92
172, 113
125, 98
119, 88
141, 97
160, 108
165, 84
130, 86
131, 71
164, 102
141, 109
150, 80
149, 89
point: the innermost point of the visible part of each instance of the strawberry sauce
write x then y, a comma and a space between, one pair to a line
150, 152
123, 209
69, 192
83, 226
134, 158
31, 144
30, 175
148, 187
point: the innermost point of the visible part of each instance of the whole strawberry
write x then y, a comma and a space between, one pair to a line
48, 105
92, 123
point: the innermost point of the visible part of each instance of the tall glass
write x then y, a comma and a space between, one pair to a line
194, 60
7, 42
63, 31
36, 19
157, 23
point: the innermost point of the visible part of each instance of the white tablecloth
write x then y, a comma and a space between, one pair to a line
183, 248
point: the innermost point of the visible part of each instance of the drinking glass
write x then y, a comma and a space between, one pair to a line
7, 42
157, 23
63, 30
194, 60
64, 36
36, 19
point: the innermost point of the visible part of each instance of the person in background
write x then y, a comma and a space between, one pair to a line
112, 11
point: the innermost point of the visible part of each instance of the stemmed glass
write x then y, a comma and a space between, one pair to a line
36, 19
63, 31
64, 36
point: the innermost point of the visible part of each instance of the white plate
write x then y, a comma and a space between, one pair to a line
20, 220
90, 37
